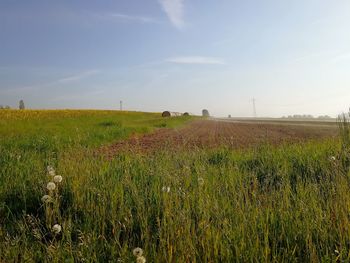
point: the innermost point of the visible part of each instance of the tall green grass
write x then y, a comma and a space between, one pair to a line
269, 204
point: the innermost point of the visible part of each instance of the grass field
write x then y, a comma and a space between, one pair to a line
284, 203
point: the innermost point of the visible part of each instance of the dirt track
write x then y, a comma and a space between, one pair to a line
214, 133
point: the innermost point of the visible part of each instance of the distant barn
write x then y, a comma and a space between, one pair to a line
170, 114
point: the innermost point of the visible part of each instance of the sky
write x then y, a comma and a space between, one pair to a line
293, 57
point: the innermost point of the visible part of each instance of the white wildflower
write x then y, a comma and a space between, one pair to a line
46, 199
137, 252
51, 186
140, 259
166, 189
50, 170
57, 179
200, 181
332, 158
56, 228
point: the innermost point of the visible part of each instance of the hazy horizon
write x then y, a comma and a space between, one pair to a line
178, 55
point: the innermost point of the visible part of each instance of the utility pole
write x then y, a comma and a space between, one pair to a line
254, 108
121, 105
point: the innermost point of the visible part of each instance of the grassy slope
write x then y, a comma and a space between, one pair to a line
52, 129
290, 203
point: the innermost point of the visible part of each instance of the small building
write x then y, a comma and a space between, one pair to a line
205, 113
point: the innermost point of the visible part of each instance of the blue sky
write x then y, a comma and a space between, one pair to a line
293, 57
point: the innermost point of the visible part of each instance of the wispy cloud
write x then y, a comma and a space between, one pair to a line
128, 18
197, 60
175, 11
78, 76
68, 79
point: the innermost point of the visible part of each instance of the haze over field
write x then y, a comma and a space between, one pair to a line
181, 55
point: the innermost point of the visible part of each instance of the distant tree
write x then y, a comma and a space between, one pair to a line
1, 107
301, 116
324, 117
205, 113
21, 105
7, 107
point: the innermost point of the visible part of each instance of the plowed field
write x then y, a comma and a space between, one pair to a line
215, 133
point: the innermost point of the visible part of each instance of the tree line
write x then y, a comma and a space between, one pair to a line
21, 106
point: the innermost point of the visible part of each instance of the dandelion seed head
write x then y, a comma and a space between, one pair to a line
166, 189
51, 186
137, 252
57, 179
50, 170
140, 259
46, 199
56, 228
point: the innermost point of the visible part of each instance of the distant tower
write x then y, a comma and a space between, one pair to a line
121, 105
254, 108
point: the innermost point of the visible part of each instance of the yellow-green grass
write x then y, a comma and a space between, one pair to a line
269, 204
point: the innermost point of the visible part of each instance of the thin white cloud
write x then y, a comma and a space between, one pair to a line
72, 78
79, 76
174, 9
197, 60
129, 18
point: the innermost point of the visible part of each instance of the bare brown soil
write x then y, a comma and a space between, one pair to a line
214, 133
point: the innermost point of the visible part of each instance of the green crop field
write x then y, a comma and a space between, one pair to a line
286, 203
